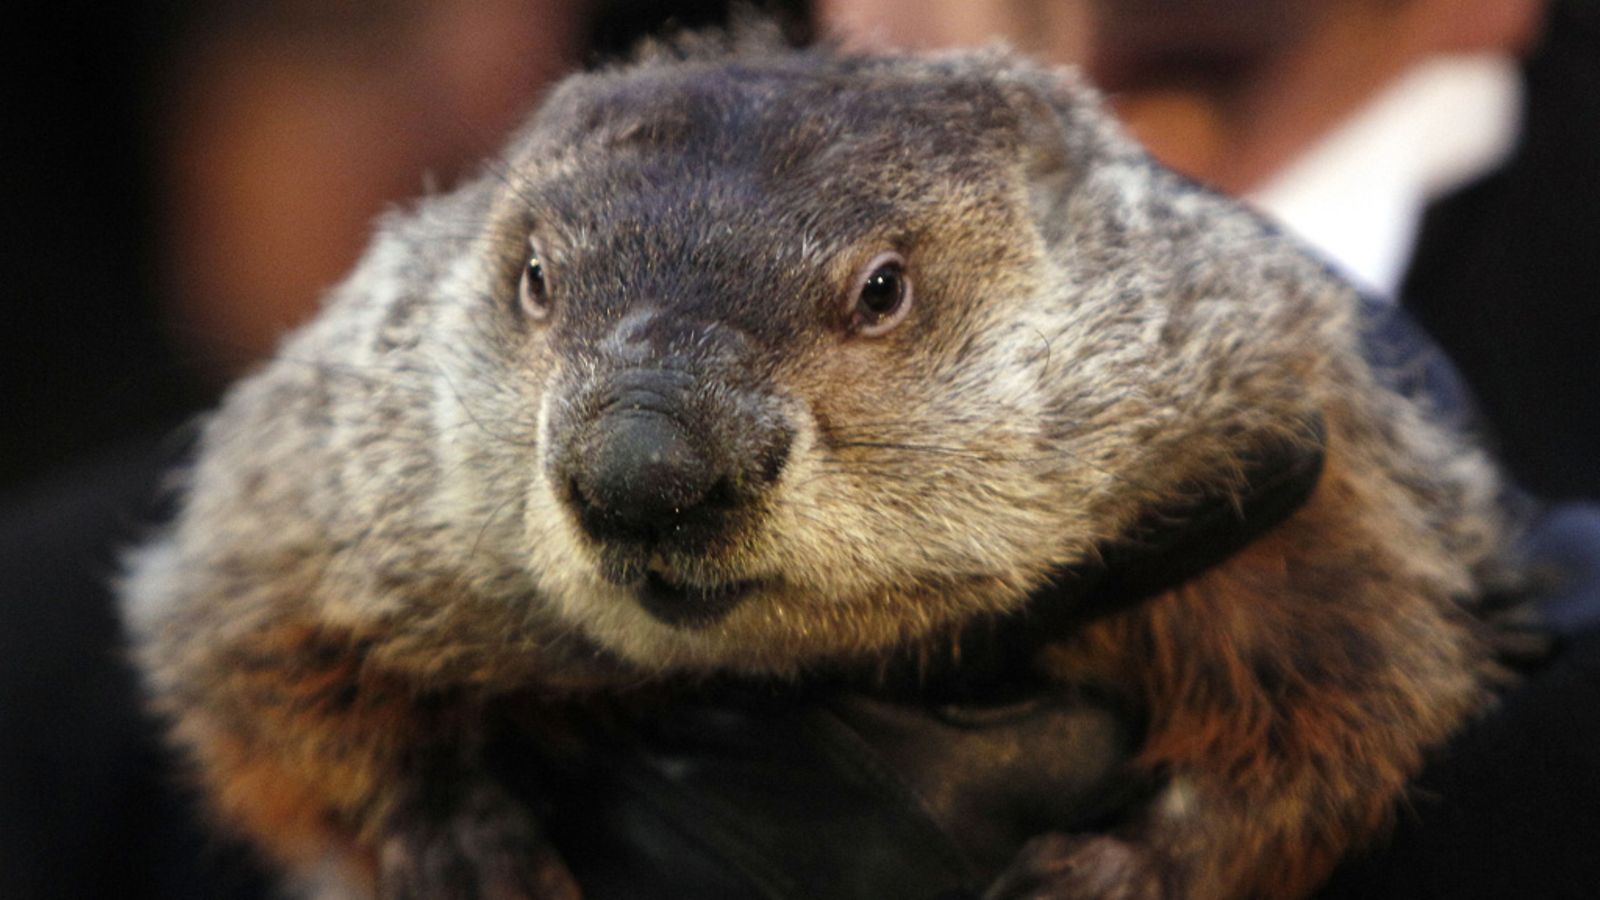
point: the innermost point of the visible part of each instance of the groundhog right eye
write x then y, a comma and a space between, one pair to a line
882, 296
533, 295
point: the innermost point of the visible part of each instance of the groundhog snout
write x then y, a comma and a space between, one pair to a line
665, 465
645, 474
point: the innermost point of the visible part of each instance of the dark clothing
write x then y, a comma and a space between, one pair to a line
1506, 276
89, 807
1512, 809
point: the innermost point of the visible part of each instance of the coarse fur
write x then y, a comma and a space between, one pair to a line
379, 537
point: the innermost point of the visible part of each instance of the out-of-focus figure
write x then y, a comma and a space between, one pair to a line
291, 125
186, 179
1442, 152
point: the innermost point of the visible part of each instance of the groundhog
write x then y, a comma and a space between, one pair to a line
746, 362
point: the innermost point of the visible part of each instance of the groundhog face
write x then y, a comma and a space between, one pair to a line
822, 364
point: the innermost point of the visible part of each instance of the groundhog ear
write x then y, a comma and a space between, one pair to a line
1064, 129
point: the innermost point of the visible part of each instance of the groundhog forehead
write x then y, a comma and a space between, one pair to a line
780, 174
779, 113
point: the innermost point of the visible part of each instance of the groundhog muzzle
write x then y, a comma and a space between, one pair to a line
748, 364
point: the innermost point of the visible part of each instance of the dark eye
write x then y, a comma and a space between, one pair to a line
533, 295
883, 295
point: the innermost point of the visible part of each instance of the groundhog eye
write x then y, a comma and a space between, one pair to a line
533, 295
883, 295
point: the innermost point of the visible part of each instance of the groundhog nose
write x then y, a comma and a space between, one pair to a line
644, 474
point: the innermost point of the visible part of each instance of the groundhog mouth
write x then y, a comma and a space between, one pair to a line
684, 605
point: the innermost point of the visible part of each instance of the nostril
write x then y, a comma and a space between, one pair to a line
772, 457
721, 495
600, 520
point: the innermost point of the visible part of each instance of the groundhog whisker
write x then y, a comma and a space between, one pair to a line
914, 448
513, 440
512, 497
840, 465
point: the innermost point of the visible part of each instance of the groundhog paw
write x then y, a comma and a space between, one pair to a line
1067, 867
485, 848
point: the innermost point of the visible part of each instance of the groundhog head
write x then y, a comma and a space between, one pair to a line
824, 354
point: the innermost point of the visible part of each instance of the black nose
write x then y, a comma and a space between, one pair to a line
643, 475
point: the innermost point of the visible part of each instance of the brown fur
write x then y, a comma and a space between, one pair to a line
380, 536
1295, 746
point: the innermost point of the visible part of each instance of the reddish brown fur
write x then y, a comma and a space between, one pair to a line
1264, 693
307, 801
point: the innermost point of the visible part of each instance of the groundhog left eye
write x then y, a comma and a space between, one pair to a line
533, 294
883, 295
